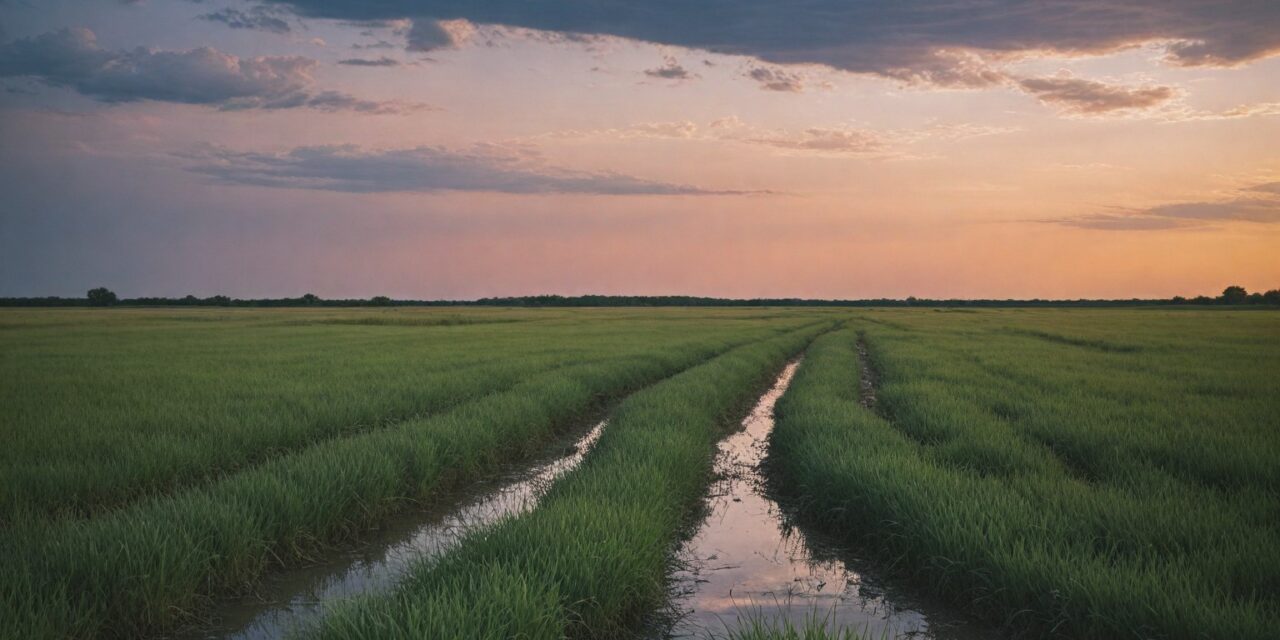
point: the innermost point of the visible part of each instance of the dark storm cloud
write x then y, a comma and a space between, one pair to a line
421, 169
1089, 97
1248, 208
258, 18
912, 40
72, 58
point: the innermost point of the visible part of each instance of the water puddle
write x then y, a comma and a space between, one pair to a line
297, 596
747, 563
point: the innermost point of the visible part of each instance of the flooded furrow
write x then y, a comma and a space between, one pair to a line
748, 564
297, 596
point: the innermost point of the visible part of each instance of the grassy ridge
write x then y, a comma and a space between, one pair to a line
102, 408
144, 566
1069, 478
592, 559
105, 411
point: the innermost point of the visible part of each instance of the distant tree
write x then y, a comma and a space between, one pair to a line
380, 301
1179, 300
310, 298
220, 301
102, 297
1271, 297
190, 299
1235, 294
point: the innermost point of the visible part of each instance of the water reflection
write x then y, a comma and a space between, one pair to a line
747, 564
297, 596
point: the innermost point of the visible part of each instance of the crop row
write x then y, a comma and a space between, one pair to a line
147, 565
592, 559
964, 482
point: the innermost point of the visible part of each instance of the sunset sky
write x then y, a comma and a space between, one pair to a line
737, 148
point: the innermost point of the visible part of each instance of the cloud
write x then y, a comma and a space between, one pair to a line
830, 141
383, 61
656, 130
326, 101
914, 40
380, 44
946, 68
819, 141
1245, 206
1185, 113
1078, 95
1265, 210
205, 76
258, 18
433, 35
420, 169
823, 141
774, 79
670, 70
1111, 222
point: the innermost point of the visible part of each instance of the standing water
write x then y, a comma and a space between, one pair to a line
746, 565
302, 595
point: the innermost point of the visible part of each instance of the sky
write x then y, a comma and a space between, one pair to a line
735, 148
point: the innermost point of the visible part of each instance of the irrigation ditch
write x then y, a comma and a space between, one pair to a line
751, 563
289, 599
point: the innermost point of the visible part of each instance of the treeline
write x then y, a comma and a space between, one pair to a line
102, 297
1271, 297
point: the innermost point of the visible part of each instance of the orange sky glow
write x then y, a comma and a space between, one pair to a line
452, 150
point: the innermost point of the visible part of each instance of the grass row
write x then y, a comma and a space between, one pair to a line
592, 559
144, 567
107, 408
1170, 532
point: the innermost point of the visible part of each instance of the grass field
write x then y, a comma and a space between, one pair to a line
1078, 473
1083, 474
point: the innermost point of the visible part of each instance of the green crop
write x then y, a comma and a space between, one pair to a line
1080, 474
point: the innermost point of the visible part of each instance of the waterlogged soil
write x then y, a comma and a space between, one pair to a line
289, 600
748, 563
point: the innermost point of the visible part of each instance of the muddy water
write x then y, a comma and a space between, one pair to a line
747, 563
298, 596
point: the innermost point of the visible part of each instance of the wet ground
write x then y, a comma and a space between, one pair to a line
295, 597
747, 562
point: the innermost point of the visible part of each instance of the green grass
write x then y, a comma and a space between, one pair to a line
145, 565
1079, 474
591, 560
108, 407
1075, 473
